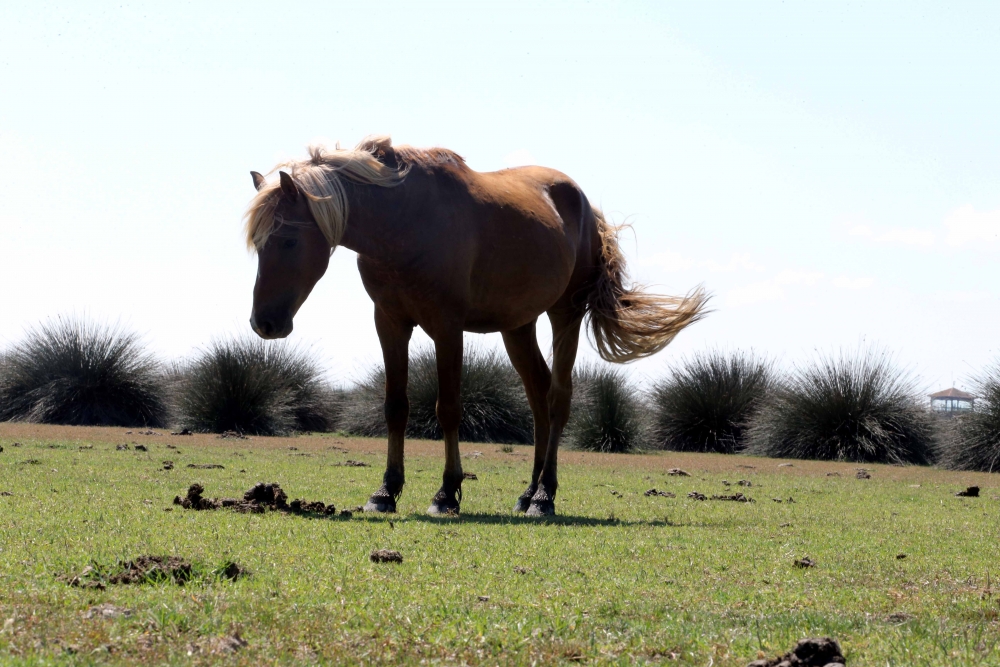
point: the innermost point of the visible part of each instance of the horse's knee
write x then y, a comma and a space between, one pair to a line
559, 404
397, 411
449, 414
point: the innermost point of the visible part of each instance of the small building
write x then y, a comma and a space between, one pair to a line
952, 400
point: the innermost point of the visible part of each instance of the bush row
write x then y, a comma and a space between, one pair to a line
852, 407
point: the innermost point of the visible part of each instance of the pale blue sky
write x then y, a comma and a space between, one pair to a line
831, 171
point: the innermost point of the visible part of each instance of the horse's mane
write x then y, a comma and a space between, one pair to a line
319, 178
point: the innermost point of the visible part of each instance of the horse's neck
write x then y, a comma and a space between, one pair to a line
374, 222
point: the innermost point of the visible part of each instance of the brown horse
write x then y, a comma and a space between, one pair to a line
453, 250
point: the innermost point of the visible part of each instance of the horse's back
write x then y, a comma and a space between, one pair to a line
535, 241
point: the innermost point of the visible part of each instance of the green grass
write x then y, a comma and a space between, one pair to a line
614, 579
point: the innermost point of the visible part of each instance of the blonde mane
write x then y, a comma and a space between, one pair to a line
319, 179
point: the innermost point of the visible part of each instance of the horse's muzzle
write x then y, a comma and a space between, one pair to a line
270, 328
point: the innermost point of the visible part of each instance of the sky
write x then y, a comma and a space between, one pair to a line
829, 171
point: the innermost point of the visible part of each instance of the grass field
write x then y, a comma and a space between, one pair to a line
618, 577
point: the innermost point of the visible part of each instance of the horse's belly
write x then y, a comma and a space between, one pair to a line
514, 305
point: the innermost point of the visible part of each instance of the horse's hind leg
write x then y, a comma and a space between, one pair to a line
565, 340
522, 348
448, 348
395, 340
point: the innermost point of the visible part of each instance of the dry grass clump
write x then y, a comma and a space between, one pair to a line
852, 407
71, 371
972, 441
253, 386
608, 414
704, 404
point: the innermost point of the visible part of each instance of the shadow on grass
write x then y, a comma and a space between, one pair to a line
519, 519
499, 519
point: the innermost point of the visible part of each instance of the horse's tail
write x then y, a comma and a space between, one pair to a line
628, 323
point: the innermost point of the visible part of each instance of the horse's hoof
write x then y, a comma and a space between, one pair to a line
541, 508
522, 505
442, 510
381, 505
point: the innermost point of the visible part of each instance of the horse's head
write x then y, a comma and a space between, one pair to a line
289, 263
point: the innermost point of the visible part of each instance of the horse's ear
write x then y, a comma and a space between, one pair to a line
258, 179
288, 185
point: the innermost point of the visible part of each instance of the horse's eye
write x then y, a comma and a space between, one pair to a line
290, 243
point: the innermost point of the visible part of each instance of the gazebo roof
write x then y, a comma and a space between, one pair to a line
953, 393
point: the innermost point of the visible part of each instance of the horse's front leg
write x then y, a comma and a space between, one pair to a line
449, 413
395, 339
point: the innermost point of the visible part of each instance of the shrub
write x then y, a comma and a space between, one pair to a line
607, 413
972, 441
69, 371
494, 406
704, 405
849, 408
256, 387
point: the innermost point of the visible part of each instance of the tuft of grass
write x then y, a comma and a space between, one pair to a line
972, 441
71, 371
256, 387
494, 406
705, 404
607, 412
852, 407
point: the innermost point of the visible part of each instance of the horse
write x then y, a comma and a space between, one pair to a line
451, 250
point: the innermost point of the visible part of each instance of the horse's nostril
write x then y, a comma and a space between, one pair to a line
259, 327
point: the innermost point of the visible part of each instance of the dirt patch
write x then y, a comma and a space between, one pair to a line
148, 570
142, 570
151, 569
734, 497
812, 652
206, 466
218, 645
107, 610
386, 556
970, 492
258, 499
656, 492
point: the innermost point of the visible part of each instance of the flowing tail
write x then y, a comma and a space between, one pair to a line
626, 322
